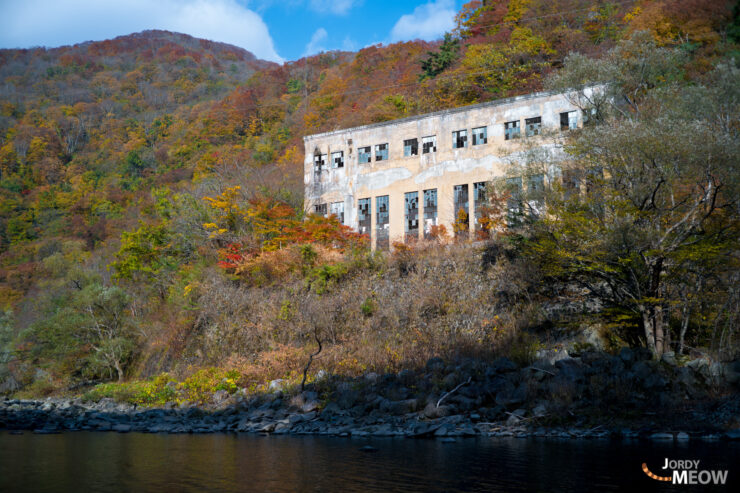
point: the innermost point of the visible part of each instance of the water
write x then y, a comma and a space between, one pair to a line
92, 462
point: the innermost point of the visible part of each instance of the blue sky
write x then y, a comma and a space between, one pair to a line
276, 30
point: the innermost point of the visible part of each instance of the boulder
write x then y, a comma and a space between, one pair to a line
539, 410
732, 372
669, 358
346, 398
220, 396
310, 406
516, 417
435, 365
548, 357
276, 385
371, 377
504, 365
403, 407
509, 398
431, 411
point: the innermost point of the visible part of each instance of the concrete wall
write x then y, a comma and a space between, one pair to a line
442, 169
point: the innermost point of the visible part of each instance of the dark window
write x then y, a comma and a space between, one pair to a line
479, 200
381, 152
480, 136
459, 139
319, 162
536, 184
337, 159
536, 192
337, 209
514, 202
411, 216
429, 144
364, 155
381, 223
568, 120
511, 130
430, 211
462, 218
364, 219
533, 125
411, 147
320, 209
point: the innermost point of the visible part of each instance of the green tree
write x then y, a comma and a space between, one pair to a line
89, 327
439, 61
660, 197
147, 255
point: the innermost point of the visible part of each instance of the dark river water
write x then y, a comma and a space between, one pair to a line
92, 462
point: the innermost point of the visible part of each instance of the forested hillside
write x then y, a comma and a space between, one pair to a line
151, 197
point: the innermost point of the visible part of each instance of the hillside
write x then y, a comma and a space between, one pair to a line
142, 179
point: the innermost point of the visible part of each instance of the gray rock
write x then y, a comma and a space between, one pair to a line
422, 430
121, 428
516, 417
431, 411
508, 398
682, 436
503, 365
435, 365
268, 427
310, 406
281, 427
450, 381
548, 357
731, 372
276, 385
406, 376
371, 377
627, 355
661, 436
384, 431
403, 407
669, 358
539, 410
699, 365
347, 398
220, 396
570, 370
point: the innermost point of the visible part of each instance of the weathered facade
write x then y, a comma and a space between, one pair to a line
395, 180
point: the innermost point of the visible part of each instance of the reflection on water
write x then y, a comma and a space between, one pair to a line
174, 463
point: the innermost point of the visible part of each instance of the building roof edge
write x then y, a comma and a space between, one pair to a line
459, 109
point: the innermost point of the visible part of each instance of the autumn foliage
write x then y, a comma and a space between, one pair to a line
166, 165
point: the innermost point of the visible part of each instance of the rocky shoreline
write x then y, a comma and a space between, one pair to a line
594, 395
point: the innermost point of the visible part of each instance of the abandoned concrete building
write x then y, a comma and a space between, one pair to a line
396, 180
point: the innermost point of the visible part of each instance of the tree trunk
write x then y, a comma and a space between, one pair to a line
652, 321
119, 370
647, 324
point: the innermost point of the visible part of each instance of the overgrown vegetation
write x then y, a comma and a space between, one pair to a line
151, 223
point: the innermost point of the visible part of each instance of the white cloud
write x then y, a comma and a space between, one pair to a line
338, 7
316, 44
348, 44
427, 22
58, 22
